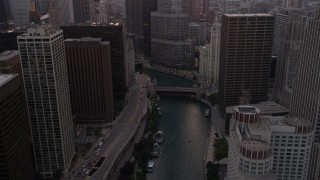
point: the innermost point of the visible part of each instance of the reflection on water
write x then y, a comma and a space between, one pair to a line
185, 130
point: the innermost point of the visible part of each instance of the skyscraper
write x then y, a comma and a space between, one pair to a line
169, 35
89, 69
47, 90
245, 59
289, 57
113, 32
204, 65
237, 6
60, 12
103, 11
215, 39
20, 11
305, 102
15, 148
138, 23
10, 62
83, 11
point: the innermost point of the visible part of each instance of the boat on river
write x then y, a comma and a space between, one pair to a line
159, 111
158, 138
207, 113
155, 151
150, 165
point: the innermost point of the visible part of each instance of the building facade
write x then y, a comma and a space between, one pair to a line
60, 12
268, 147
45, 77
19, 10
245, 58
288, 63
237, 6
15, 149
170, 45
90, 79
204, 65
305, 102
215, 39
84, 11
114, 33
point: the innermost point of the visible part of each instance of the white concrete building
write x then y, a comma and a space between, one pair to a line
103, 12
268, 147
44, 68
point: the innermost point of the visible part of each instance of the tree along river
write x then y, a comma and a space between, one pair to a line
185, 129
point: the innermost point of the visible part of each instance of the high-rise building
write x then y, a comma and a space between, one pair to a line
237, 6
305, 102
215, 37
292, 4
245, 58
60, 12
45, 77
130, 60
204, 65
15, 148
288, 63
138, 23
10, 62
103, 11
268, 147
112, 32
148, 6
170, 45
3, 15
84, 11
89, 69
19, 10
280, 19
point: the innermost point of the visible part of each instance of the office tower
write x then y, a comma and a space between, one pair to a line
280, 19
60, 12
215, 37
195, 8
292, 4
305, 102
138, 23
204, 65
245, 58
112, 32
10, 62
148, 6
45, 77
103, 11
20, 11
3, 15
289, 57
130, 60
15, 148
197, 31
89, 70
268, 147
237, 6
205, 8
8, 38
84, 11
170, 45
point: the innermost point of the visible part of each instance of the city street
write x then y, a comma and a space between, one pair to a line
121, 133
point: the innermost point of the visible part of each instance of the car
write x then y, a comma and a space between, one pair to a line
97, 153
84, 165
87, 172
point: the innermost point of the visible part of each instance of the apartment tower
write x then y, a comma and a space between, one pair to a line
245, 58
90, 79
45, 76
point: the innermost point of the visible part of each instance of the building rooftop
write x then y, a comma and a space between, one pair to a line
8, 54
4, 78
266, 108
246, 109
298, 122
83, 39
113, 23
249, 15
255, 145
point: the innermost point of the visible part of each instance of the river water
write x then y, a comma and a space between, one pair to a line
185, 133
